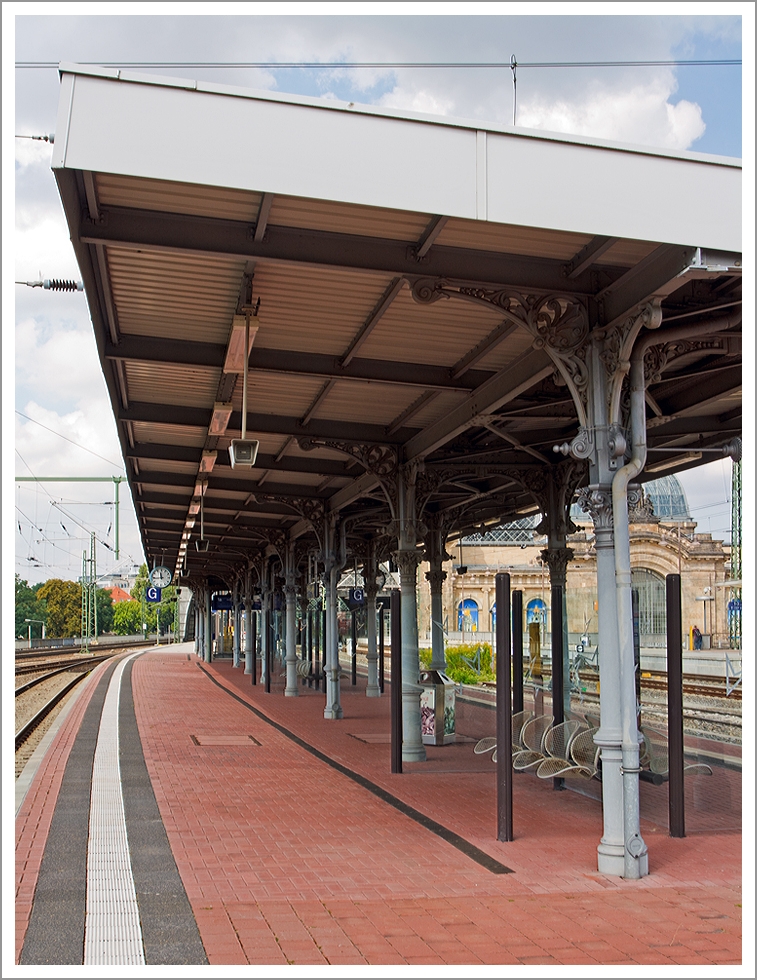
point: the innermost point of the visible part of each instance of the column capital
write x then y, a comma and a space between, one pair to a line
408, 560
435, 578
596, 501
557, 559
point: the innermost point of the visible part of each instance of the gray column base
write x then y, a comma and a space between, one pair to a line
291, 692
610, 859
373, 692
333, 714
413, 749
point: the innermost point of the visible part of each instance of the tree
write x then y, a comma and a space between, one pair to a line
104, 604
28, 606
141, 583
127, 618
63, 601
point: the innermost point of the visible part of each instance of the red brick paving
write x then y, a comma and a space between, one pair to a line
286, 861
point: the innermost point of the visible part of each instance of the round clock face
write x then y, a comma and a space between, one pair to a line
160, 577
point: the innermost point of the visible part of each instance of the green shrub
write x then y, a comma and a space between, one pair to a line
457, 667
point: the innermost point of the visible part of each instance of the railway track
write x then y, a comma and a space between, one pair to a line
70, 664
41, 698
26, 730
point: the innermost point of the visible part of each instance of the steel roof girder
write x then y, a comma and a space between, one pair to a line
157, 230
503, 387
262, 423
308, 363
660, 274
290, 464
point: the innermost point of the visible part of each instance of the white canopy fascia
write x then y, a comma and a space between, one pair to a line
169, 129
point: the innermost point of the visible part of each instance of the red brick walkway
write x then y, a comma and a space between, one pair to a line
286, 860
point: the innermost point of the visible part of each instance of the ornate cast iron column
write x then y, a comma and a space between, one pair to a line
370, 571
436, 555
265, 622
333, 708
248, 639
235, 649
290, 591
207, 631
596, 500
408, 558
412, 743
557, 561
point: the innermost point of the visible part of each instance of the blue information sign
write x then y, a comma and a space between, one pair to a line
152, 593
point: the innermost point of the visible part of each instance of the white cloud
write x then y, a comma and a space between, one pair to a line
417, 100
643, 114
58, 360
30, 152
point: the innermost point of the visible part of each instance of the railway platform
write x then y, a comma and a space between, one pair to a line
251, 831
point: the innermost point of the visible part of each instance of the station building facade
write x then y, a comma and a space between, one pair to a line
664, 540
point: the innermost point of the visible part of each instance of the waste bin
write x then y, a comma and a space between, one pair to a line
437, 708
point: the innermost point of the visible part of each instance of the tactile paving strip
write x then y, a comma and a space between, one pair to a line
113, 935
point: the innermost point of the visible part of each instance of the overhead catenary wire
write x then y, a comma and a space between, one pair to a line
377, 65
61, 436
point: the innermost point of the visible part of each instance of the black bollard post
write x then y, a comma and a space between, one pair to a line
353, 638
381, 647
254, 644
396, 702
323, 648
268, 657
504, 711
676, 815
558, 673
517, 603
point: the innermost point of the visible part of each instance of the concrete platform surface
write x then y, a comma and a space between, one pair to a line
298, 848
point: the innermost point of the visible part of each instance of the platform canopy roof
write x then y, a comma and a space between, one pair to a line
404, 272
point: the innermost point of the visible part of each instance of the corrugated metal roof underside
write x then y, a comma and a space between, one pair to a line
513, 239
349, 219
365, 401
505, 352
169, 384
313, 308
275, 394
174, 296
177, 198
547, 243
320, 452
441, 405
438, 333
166, 435
294, 479
166, 466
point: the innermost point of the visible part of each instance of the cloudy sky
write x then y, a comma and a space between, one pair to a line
61, 416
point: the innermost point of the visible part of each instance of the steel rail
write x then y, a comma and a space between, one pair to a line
54, 673
24, 732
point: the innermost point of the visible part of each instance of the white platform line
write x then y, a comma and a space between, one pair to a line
112, 932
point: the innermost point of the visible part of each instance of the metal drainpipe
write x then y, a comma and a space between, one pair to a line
635, 849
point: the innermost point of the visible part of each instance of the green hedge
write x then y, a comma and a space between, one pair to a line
458, 669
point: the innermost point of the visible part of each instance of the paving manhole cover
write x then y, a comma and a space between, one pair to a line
224, 740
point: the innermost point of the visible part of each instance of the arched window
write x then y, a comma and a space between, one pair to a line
650, 588
536, 612
467, 616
